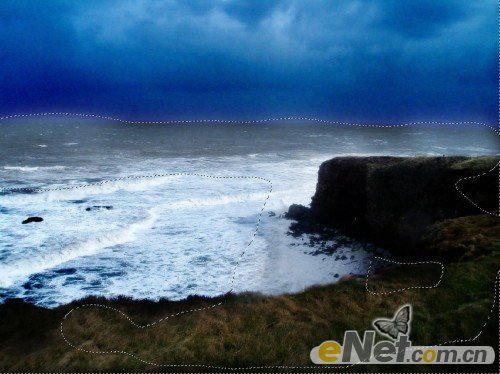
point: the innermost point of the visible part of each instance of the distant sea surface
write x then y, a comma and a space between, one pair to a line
180, 235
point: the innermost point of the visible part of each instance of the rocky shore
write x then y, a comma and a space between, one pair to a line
409, 205
395, 201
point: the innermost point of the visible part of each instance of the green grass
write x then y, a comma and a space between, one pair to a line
256, 330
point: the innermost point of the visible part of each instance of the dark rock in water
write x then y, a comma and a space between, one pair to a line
99, 207
77, 201
305, 223
272, 214
298, 212
32, 219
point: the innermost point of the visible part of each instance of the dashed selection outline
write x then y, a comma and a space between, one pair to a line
368, 272
470, 200
247, 122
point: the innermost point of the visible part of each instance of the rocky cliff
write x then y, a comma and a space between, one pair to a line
392, 201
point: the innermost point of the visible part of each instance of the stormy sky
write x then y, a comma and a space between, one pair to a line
353, 60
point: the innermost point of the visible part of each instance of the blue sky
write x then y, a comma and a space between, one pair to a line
354, 60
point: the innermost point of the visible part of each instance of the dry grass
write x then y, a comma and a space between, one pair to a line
255, 330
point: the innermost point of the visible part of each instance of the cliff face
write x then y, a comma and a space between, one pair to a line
393, 200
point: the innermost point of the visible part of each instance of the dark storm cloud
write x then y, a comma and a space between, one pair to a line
406, 17
377, 60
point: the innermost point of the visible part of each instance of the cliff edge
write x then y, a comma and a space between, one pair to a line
393, 201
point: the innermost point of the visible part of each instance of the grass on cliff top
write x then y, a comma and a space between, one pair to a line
472, 163
478, 163
254, 330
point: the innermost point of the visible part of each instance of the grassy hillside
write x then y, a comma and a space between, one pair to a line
252, 330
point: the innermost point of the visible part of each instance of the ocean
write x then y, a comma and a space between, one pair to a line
172, 210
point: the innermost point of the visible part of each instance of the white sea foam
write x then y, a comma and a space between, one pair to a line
34, 168
201, 225
19, 268
51, 193
219, 200
35, 263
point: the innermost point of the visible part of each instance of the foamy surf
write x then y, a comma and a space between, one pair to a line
202, 226
34, 168
219, 200
20, 269
50, 193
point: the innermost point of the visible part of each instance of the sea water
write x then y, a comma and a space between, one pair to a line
186, 210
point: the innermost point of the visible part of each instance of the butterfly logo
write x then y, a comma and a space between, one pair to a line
399, 324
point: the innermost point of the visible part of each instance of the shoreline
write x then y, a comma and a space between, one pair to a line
250, 329
394, 201
255, 330
311, 220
